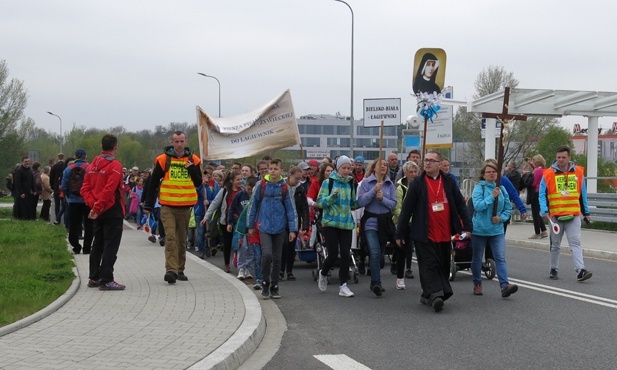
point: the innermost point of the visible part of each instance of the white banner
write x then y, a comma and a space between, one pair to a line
270, 127
439, 132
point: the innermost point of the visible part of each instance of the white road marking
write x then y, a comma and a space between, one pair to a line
341, 362
601, 301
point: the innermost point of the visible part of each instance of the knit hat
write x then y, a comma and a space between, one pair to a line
341, 161
359, 159
80, 153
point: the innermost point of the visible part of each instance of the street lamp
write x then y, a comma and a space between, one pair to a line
219, 82
61, 137
352, 120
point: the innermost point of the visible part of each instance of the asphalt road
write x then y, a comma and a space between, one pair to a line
547, 324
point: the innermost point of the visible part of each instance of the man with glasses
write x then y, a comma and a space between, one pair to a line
438, 209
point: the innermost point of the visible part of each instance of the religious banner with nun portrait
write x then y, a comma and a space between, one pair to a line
273, 126
429, 71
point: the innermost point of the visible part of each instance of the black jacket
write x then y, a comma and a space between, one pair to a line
302, 207
416, 205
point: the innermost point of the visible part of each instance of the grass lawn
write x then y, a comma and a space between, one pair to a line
6, 199
35, 267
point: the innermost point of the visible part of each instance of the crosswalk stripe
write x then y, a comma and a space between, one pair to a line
341, 362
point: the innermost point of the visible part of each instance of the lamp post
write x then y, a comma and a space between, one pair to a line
219, 82
352, 120
61, 137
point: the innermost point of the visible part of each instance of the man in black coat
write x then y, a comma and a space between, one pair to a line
24, 190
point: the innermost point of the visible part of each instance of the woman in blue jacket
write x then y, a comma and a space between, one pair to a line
489, 229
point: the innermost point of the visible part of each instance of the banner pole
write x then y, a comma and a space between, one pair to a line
380, 139
302, 152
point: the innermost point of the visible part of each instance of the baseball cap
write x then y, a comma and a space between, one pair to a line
303, 165
80, 153
359, 159
135, 168
313, 162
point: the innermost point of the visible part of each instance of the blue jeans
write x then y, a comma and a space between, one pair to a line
498, 246
199, 230
257, 260
376, 254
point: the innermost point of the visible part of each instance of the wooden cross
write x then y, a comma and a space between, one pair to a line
505, 118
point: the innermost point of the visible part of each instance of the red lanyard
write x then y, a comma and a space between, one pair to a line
428, 182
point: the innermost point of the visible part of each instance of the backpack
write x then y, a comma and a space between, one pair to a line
284, 190
76, 178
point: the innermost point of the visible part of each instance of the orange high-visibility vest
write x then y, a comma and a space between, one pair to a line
177, 188
564, 192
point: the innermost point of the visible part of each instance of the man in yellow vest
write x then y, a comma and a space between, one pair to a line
563, 200
174, 178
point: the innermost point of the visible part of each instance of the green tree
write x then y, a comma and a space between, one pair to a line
13, 101
552, 138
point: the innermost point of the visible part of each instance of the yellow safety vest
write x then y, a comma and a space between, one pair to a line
177, 188
563, 190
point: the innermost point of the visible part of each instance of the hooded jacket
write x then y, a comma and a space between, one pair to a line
544, 191
72, 197
483, 202
102, 189
337, 207
273, 213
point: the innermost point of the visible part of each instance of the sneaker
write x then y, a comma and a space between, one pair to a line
400, 284
274, 292
162, 242
583, 275
553, 274
508, 290
257, 285
344, 291
362, 268
94, 283
182, 277
376, 289
477, 289
408, 274
535, 236
265, 289
291, 277
139, 227
247, 274
322, 282
152, 239
241, 275
201, 255
424, 300
227, 269
544, 234
213, 252
208, 254
281, 275
170, 277
112, 285
437, 304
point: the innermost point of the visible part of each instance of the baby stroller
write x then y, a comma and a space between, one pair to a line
461, 255
304, 250
322, 253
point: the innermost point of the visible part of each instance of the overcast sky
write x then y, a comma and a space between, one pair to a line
135, 63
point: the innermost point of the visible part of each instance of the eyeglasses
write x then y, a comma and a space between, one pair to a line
263, 169
431, 161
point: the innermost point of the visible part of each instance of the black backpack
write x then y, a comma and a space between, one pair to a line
76, 179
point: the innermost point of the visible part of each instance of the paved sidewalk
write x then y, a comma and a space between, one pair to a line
211, 321
596, 244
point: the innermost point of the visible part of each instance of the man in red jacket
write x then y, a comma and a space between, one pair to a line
103, 193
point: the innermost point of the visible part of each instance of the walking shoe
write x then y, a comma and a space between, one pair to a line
400, 284
77, 249
208, 254
162, 242
361, 268
170, 277
376, 289
477, 289
182, 277
241, 275
408, 274
508, 290
322, 282
152, 239
583, 275
274, 292
257, 285
281, 275
265, 289
201, 255
424, 300
139, 227
86, 251
226, 269
247, 274
94, 283
344, 291
535, 236
291, 277
553, 274
112, 285
544, 234
213, 252
437, 304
